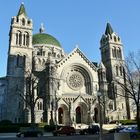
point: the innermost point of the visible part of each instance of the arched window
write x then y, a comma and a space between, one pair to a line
17, 19
38, 105
27, 39
17, 38
20, 38
118, 39
120, 53
41, 106
115, 91
110, 106
115, 52
115, 39
24, 39
117, 72
121, 72
49, 53
23, 21
29, 22
21, 61
122, 106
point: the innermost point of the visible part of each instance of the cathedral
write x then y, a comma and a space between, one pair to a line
44, 84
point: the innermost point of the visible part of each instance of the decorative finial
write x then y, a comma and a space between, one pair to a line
77, 46
42, 29
22, 3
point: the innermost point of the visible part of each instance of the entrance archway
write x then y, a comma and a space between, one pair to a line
78, 114
60, 115
96, 115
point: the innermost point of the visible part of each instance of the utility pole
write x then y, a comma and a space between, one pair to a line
99, 94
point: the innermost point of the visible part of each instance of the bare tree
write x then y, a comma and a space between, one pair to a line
30, 94
131, 84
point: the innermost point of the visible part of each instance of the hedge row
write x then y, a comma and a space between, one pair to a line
8, 126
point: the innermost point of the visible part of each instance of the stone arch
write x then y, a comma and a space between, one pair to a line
63, 114
81, 113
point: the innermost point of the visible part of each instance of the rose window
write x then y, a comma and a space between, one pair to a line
75, 81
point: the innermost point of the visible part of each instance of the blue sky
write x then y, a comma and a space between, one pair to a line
74, 22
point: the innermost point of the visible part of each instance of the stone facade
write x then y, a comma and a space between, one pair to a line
66, 84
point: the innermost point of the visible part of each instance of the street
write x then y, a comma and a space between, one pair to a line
80, 137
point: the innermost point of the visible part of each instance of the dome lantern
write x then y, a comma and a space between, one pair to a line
42, 28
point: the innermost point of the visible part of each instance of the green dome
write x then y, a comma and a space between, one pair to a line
43, 38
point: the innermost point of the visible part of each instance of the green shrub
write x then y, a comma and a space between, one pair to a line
42, 125
5, 122
8, 128
128, 122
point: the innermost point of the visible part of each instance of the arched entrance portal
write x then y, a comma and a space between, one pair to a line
96, 115
60, 115
78, 114
63, 115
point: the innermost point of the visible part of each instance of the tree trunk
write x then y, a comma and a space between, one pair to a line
32, 115
138, 118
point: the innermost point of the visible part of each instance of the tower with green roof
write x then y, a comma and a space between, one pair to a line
20, 43
19, 61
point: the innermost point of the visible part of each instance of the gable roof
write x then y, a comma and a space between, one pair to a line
77, 50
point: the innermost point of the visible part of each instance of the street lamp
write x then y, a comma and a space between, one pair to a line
99, 94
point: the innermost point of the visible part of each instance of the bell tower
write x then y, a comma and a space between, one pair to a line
111, 56
113, 59
19, 62
20, 43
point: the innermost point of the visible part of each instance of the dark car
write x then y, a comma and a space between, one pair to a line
94, 129
30, 132
65, 130
116, 129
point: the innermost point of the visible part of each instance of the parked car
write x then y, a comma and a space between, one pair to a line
129, 129
116, 129
94, 129
30, 132
133, 130
65, 130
